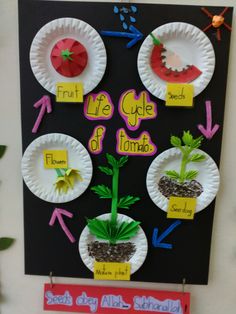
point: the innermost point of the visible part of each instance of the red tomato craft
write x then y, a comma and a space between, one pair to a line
169, 66
69, 57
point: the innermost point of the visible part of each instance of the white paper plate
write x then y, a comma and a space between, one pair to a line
139, 240
170, 159
41, 181
190, 43
76, 29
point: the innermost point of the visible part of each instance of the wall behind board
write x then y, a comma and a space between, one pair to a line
24, 294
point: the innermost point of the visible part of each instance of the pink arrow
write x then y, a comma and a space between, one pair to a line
45, 104
57, 214
208, 132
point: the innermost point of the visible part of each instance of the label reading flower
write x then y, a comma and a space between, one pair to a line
55, 159
134, 109
141, 146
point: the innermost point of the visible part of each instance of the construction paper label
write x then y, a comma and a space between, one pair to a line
111, 271
55, 159
98, 106
95, 144
179, 95
107, 300
69, 92
141, 146
134, 109
181, 207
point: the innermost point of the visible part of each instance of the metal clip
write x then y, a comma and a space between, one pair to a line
51, 280
183, 284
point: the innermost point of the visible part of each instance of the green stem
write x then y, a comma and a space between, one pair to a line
59, 173
156, 41
114, 202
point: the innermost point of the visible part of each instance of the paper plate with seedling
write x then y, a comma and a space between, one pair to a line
183, 171
62, 184
113, 237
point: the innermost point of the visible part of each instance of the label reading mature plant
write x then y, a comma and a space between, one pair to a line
55, 159
111, 271
69, 92
179, 95
181, 207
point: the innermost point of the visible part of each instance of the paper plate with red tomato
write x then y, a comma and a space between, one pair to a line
176, 53
68, 50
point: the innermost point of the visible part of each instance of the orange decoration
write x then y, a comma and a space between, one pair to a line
217, 21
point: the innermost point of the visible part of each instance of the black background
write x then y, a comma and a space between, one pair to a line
48, 249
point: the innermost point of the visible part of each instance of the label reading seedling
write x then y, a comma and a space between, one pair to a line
69, 92
179, 95
181, 207
111, 271
55, 159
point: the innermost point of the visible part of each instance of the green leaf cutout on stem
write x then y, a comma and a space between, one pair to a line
5, 243
186, 145
111, 229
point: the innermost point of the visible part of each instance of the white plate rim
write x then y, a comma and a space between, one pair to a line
27, 168
154, 173
56, 30
151, 81
136, 260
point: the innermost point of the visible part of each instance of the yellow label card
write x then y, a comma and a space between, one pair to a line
69, 92
55, 159
179, 95
111, 271
181, 207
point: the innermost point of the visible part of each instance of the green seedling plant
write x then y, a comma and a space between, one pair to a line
5, 242
186, 145
111, 229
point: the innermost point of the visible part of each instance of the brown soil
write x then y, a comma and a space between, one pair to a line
105, 252
169, 187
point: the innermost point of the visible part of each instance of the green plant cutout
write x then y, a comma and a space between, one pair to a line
5, 242
111, 229
186, 146
66, 179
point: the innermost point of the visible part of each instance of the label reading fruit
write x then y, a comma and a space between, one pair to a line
111, 271
69, 92
179, 95
181, 207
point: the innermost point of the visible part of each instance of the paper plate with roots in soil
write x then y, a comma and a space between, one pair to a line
135, 249
185, 55
204, 188
41, 181
68, 50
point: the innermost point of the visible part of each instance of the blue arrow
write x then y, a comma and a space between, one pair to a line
134, 34
156, 241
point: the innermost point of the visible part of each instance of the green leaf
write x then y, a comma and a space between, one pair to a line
197, 142
106, 170
172, 174
5, 243
187, 138
175, 141
127, 201
197, 158
2, 150
122, 161
127, 230
99, 228
102, 190
191, 174
111, 160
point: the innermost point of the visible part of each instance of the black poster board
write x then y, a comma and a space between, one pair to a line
47, 249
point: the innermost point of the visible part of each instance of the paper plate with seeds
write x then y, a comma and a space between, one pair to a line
59, 185
176, 53
133, 251
160, 186
68, 50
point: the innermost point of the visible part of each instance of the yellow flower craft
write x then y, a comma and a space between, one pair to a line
66, 181
62, 184
72, 175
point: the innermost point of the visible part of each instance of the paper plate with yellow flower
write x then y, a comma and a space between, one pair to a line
56, 168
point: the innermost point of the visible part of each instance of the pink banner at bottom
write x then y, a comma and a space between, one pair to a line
107, 300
